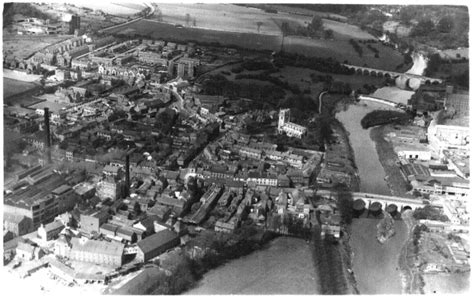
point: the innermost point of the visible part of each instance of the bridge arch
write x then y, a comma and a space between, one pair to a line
359, 71
373, 73
366, 72
375, 208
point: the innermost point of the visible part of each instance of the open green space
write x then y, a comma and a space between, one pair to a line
340, 50
19, 92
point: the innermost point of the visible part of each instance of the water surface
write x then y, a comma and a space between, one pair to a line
285, 267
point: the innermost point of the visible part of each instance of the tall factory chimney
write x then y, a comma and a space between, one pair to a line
48, 134
127, 174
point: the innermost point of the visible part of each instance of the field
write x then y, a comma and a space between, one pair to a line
220, 17
234, 18
376, 265
342, 51
346, 31
26, 45
337, 49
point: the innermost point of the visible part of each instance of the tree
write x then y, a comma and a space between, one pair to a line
328, 34
423, 28
188, 19
285, 28
159, 15
259, 24
445, 24
406, 15
316, 23
136, 208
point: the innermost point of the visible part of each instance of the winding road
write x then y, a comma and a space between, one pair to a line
321, 100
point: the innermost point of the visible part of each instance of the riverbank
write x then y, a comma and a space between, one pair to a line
412, 280
388, 159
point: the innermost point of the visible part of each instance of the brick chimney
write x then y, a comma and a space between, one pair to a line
48, 134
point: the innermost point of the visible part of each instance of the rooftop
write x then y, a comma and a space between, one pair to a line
28, 196
156, 240
100, 247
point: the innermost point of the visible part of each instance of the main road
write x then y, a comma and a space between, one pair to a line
152, 11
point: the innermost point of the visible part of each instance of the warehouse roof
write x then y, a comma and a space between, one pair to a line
98, 247
156, 240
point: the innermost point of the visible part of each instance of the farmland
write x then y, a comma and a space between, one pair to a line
234, 18
338, 49
229, 18
25, 46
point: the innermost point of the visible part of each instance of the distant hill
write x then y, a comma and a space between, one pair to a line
25, 9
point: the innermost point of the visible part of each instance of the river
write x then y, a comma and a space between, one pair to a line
420, 63
284, 267
370, 170
376, 265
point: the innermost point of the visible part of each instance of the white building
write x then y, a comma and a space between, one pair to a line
441, 137
406, 152
291, 129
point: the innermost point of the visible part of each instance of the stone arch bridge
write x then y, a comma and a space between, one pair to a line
401, 203
385, 201
390, 74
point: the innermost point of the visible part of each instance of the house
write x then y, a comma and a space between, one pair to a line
226, 227
127, 234
26, 251
147, 225
92, 222
330, 220
50, 231
17, 224
156, 244
162, 212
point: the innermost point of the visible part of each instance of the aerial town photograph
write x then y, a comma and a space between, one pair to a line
235, 148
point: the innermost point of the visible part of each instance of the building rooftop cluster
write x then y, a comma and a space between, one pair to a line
132, 160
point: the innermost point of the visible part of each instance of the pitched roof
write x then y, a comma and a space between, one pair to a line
53, 226
99, 247
156, 240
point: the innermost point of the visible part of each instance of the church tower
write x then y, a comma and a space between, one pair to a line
283, 118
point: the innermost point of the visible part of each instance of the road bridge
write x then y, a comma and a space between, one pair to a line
385, 201
390, 74
369, 198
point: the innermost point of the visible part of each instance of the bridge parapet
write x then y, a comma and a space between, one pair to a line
392, 74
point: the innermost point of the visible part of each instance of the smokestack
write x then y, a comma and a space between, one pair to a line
48, 134
127, 173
